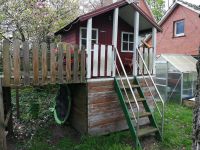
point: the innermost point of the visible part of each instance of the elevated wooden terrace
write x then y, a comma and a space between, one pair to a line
25, 64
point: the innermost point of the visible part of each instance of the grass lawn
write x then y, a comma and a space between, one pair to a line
177, 135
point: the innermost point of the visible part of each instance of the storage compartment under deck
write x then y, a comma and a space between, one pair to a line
96, 109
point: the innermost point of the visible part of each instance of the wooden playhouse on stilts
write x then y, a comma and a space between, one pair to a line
110, 75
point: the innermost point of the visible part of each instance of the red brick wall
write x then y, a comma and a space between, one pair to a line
188, 44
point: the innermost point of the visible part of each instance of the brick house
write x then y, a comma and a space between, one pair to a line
181, 30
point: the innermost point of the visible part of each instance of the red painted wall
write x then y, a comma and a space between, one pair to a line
104, 23
70, 36
188, 44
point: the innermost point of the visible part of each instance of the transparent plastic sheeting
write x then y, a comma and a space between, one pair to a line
176, 77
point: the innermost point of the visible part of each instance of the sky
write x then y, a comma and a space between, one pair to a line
197, 2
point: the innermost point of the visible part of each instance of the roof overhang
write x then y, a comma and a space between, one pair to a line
108, 8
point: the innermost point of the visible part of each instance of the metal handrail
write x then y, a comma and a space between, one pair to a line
126, 92
149, 74
129, 85
149, 88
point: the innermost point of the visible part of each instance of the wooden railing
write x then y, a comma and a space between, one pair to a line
102, 61
33, 64
148, 56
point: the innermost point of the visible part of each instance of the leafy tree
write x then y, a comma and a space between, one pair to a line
35, 19
157, 7
90, 5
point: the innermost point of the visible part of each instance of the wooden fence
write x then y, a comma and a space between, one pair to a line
33, 64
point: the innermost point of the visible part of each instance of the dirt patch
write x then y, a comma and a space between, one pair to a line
149, 143
59, 132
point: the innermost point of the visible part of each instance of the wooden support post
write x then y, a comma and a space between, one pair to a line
3, 145
115, 35
44, 63
154, 32
8, 109
89, 47
17, 103
26, 63
60, 63
136, 41
6, 63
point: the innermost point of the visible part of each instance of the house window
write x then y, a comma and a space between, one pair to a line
179, 28
83, 37
127, 41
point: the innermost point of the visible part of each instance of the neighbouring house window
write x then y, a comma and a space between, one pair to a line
83, 37
179, 28
127, 41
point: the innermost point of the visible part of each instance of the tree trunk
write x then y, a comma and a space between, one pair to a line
196, 118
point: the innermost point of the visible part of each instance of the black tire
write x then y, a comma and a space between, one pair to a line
63, 104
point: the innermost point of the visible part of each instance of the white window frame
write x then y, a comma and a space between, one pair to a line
93, 29
122, 34
175, 28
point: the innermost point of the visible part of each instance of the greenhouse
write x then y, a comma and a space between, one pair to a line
176, 76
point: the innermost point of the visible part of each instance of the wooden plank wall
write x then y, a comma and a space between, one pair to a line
32, 65
78, 115
104, 112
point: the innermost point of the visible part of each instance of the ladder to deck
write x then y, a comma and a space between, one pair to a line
135, 105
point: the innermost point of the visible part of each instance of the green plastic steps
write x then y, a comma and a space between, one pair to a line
127, 86
145, 110
147, 131
141, 114
138, 100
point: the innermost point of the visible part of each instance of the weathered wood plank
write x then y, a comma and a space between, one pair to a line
95, 60
83, 71
16, 57
76, 64
60, 63
6, 63
95, 98
68, 63
105, 118
26, 63
102, 83
65, 62
3, 145
78, 118
44, 62
103, 129
109, 60
35, 63
53, 62
102, 59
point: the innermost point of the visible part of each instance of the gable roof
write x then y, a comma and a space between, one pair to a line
190, 6
147, 10
107, 9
